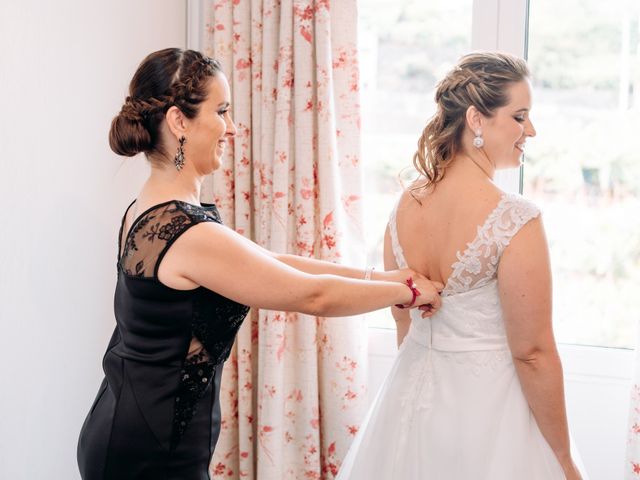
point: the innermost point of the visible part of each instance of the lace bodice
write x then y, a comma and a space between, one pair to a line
469, 327
477, 265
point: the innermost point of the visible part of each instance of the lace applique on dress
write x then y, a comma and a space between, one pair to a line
195, 376
214, 327
154, 232
478, 264
396, 248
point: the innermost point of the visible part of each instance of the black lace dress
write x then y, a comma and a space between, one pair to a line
157, 412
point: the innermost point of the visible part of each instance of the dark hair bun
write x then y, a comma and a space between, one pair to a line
128, 135
164, 78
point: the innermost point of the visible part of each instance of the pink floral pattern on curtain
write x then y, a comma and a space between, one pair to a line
293, 390
632, 467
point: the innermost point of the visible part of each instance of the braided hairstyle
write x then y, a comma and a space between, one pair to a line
164, 78
479, 79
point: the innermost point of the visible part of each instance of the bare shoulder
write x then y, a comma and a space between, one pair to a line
491, 194
415, 195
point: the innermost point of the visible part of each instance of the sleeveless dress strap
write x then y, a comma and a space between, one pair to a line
512, 214
121, 231
478, 264
395, 243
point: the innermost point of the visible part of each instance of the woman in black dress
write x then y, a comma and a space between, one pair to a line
185, 282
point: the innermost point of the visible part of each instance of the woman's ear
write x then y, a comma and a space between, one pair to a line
474, 119
176, 121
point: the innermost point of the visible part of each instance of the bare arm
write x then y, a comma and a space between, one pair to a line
318, 267
524, 280
402, 318
219, 259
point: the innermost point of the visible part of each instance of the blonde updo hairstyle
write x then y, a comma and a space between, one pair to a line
164, 78
480, 80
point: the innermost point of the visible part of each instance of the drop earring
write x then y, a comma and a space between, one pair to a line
178, 160
478, 141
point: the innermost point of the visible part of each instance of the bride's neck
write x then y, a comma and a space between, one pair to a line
467, 171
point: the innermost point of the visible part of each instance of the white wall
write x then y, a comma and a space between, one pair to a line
64, 69
597, 390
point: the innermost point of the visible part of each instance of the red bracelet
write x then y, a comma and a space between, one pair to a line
416, 293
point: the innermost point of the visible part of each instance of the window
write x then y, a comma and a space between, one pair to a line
406, 46
583, 168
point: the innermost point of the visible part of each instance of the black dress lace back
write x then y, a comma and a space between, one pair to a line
157, 413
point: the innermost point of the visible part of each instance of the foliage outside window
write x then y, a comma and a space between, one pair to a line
583, 168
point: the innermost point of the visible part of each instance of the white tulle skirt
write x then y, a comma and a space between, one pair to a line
443, 415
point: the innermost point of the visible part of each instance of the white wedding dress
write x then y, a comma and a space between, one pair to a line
452, 407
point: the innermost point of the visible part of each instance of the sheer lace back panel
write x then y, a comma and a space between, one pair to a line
153, 233
478, 263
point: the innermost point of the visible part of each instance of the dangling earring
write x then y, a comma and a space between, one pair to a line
178, 160
478, 141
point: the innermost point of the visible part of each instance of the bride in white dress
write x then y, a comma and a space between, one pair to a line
476, 390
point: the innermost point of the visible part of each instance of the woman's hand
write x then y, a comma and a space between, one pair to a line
429, 301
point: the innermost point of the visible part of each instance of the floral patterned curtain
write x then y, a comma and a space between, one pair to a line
293, 390
632, 464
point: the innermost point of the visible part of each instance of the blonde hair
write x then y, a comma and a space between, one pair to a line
479, 79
